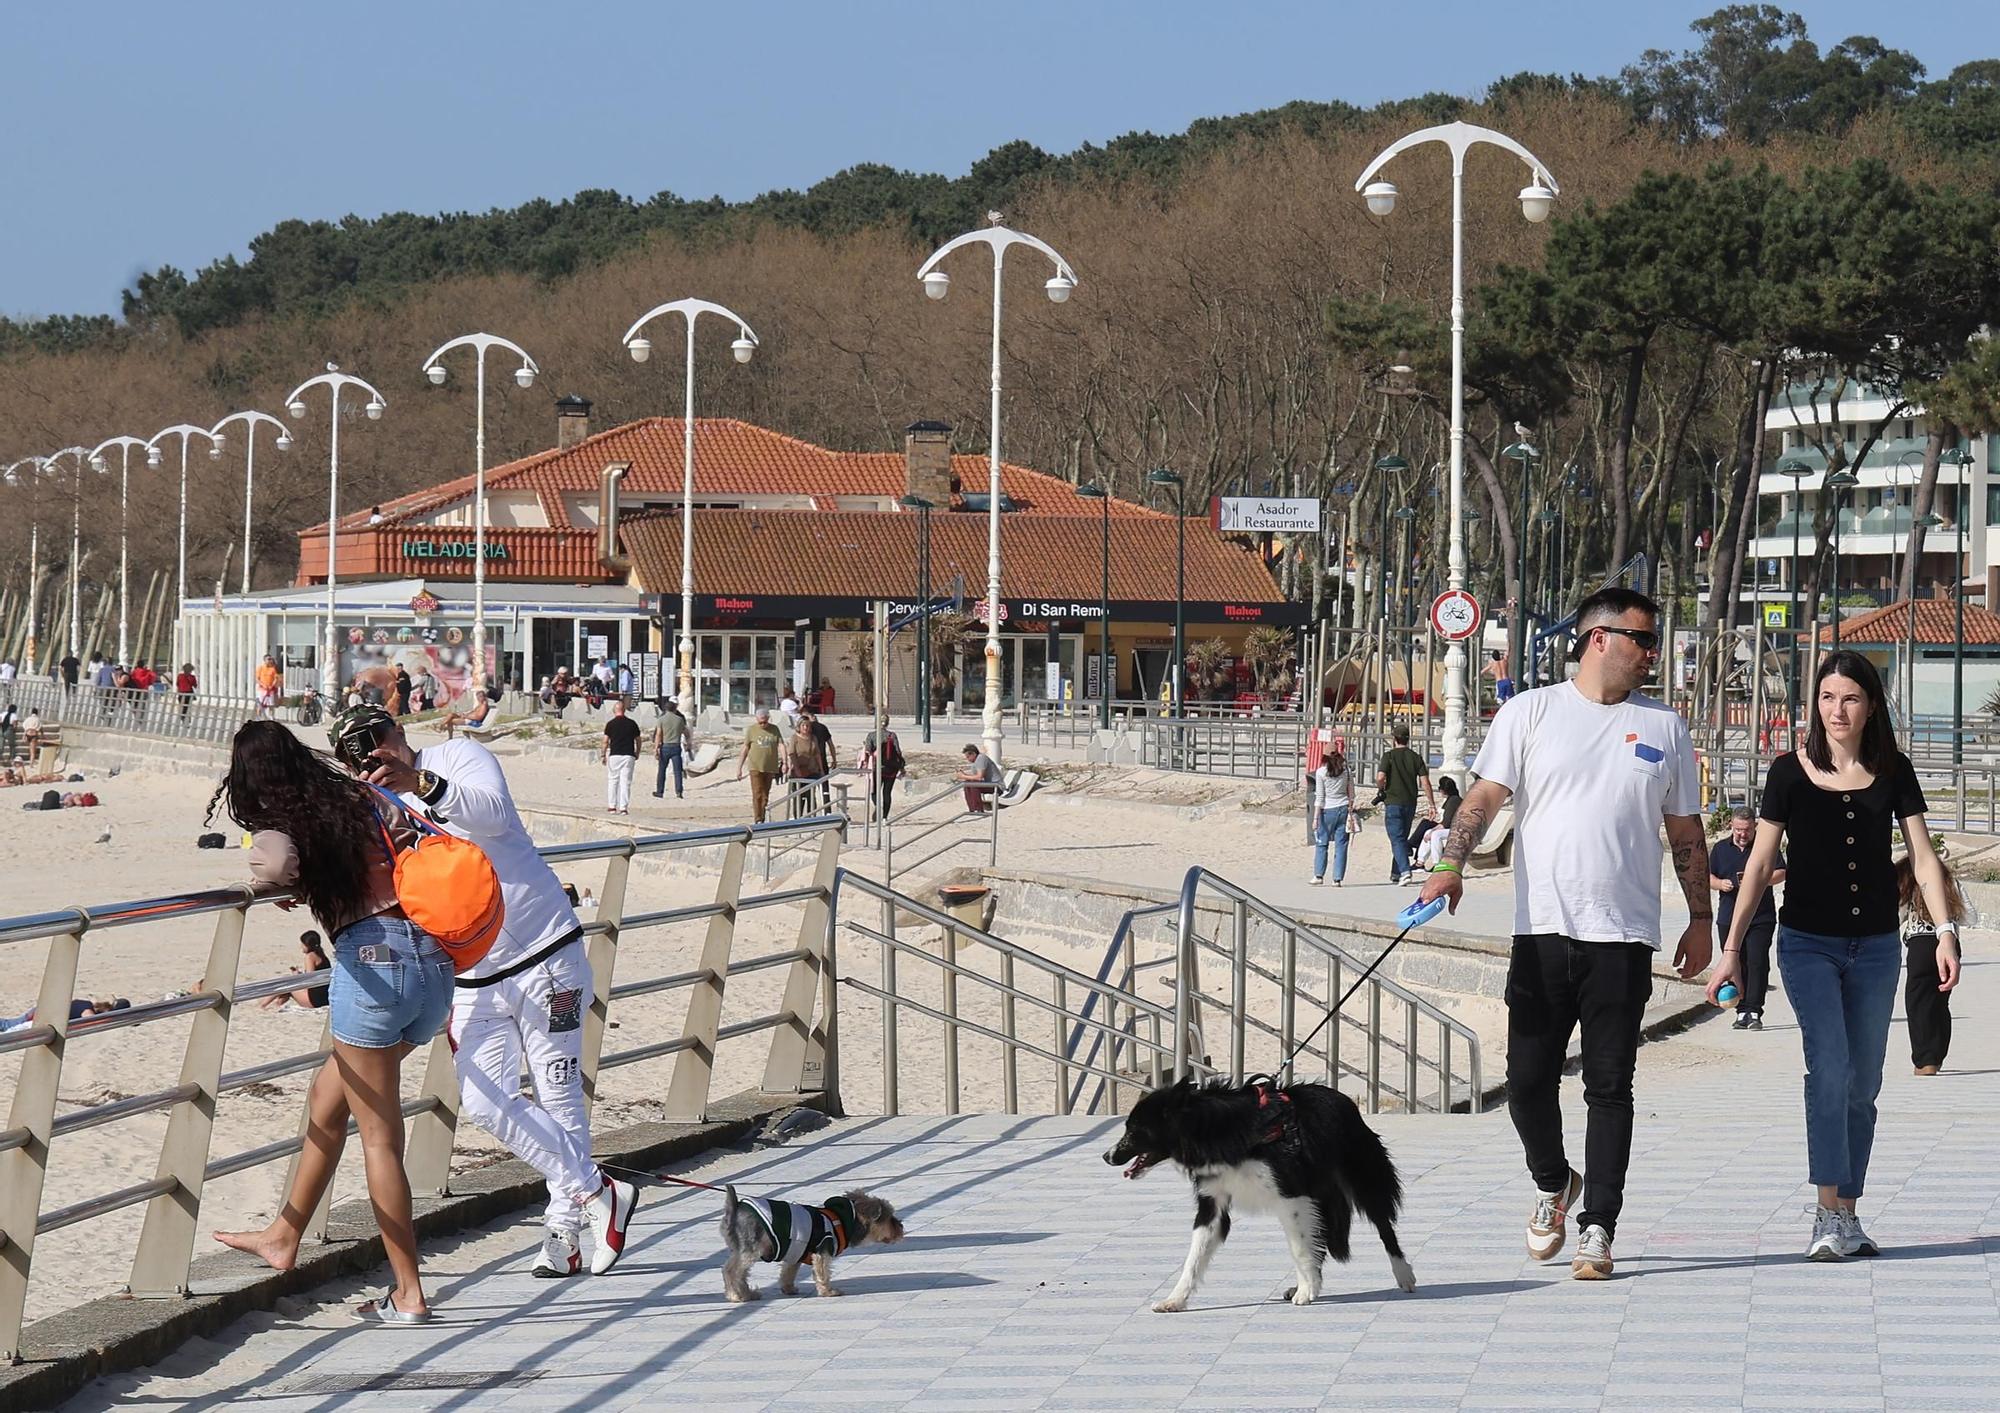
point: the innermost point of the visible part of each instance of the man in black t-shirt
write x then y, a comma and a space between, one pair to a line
1725, 874
621, 758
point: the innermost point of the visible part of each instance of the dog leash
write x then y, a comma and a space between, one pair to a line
1416, 915
657, 1177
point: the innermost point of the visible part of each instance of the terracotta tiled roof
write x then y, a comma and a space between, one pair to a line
1937, 625
731, 458
859, 554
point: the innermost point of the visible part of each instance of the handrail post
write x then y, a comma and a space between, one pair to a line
1062, 1067
166, 1242
602, 953
948, 948
797, 1063
1409, 1058
889, 1016
694, 1067
434, 1132
24, 1170
1444, 1068
1288, 995
1010, 1094
1238, 986
1374, 1048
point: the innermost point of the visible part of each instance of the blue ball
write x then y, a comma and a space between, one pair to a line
1728, 995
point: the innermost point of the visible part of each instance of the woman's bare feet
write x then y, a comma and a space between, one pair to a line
274, 1246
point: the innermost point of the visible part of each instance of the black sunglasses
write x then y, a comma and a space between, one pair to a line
1645, 639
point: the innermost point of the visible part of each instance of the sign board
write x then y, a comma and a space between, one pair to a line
1054, 692
597, 647
452, 549
799, 678
1278, 514
646, 669
1775, 615
1455, 615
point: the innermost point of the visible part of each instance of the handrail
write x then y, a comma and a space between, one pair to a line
801, 1055
989, 788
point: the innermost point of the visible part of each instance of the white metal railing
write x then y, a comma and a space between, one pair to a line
802, 1055
164, 714
959, 815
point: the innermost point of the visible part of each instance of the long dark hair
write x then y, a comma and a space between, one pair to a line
276, 781
1878, 738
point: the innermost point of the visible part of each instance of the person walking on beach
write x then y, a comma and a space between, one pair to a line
805, 768
525, 999
1397, 778
762, 744
1332, 788
324, 835
883, 765
1726, 859
1837, 801
269, 680
673, 743
1926, 999
829, 754
1593, 767
620, 756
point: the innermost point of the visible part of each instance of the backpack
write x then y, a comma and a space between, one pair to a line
446, 885
889, 761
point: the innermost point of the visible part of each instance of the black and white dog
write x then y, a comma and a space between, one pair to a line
1301, 1151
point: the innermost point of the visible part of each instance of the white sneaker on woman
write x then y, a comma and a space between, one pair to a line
1853, 1240
1828, 1243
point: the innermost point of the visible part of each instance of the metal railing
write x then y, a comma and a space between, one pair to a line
1262, 749
802, 1055
162, 714
960, 815
1040, 723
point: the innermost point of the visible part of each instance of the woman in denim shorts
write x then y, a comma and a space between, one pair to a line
320, 834
1835, 804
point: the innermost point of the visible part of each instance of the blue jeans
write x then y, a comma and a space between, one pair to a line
1332, 826
669, 755
1396, 818
1843, 990
391, 982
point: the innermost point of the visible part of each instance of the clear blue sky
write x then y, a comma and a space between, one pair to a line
142, 135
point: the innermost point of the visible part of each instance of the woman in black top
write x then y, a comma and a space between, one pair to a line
1836, 803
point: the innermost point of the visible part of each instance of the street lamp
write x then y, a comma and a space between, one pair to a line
1547, 519
1525, 453
82, 459
1106, 668
1840, 482
250, 421
525, 376
1160, 476
1798, 468
1535, 199
124, 445
641, 349
1958, 458
333, 380
936, 285
1925, 522
183, 430
37, 467
1408, 515
923, 509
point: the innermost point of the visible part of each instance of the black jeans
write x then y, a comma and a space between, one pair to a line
1553, 983
1756, 964
1928, 1009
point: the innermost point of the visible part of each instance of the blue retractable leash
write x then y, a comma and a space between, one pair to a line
1415, 915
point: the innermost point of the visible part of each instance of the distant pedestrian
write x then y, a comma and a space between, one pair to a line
1838, 800
399, 701
673, 742
882, 764
69, 667
101, 675
624, 679
1332, 786
829, 753
1396, 781
762, 745
1726, 859
269, 679
805, 768
981, 778
1926, 999
185, 686
620, 755
7, 670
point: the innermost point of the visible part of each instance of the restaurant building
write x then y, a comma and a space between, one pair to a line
793, 545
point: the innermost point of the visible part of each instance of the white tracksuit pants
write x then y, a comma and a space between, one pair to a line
618, 781
537, 1013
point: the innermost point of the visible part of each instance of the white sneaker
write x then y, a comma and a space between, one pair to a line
610, 1214
1546, 1224
1853, 1240
1317, 882
1592, 1261
1827, 1242
558, 1257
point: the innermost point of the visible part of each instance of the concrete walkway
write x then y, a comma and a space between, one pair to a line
1026, 1278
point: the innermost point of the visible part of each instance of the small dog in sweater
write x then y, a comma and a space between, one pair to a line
758, 1229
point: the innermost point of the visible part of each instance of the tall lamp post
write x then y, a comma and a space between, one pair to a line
937, 284
1160, 476
14, 475
1798, 468
81, 456
1106, 668
1840, 483
284, 443
525, 376
744, 347
1536, 199
923, 508
183, 430
1547, 519
333, 380
1959, 459
124, 445
1524, 452
1913, 462
1407, 514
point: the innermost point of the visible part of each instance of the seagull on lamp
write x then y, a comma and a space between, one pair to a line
996, 218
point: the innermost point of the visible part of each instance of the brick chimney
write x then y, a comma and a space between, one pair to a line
572, 421
927, 462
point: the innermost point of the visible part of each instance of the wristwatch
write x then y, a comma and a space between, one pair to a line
430, 787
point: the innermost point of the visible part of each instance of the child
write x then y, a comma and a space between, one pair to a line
1927, 1006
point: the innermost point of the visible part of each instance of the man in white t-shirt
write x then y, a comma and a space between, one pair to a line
1593, 768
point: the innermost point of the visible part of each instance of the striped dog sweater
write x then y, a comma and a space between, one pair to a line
799, 1232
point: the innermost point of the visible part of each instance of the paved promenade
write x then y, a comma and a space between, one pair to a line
1030, 1265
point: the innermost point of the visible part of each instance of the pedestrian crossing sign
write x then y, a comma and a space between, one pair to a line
1775, 615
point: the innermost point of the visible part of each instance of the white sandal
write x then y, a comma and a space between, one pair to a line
383, 1308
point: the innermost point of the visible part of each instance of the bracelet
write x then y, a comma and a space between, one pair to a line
1445, 866
1732, 951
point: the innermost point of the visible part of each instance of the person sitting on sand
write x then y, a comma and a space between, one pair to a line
310, 998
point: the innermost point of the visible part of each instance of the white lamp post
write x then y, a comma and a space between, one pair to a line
1536, 199
183, 430
937, 284
124, 445
744, 346
333, 380
37, 467
250, 421
525, 376
82, 459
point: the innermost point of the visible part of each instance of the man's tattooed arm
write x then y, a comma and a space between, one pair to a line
1684, 836
1482, 802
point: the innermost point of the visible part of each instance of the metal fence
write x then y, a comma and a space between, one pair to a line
167, 715
802, 1056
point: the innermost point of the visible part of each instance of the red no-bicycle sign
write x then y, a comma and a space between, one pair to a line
1455, 615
